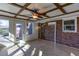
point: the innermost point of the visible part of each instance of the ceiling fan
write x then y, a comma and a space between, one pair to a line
35, 10
35, 14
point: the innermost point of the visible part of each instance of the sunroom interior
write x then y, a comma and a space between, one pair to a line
21, 27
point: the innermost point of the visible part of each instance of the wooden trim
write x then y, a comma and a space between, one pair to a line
57, 8
63, 14
67, 4
60, 8
50, 10
17, 18
14, 13
7, 12
43, 14
18, 15
13, 17
26, 5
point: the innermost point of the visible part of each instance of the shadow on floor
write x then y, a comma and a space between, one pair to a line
14, 52
38, 48
46, 48
3, 51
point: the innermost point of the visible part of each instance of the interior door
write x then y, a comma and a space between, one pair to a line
51, 33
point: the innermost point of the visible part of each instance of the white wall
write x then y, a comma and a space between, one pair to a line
34, 34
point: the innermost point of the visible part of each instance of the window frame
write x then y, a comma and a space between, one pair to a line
66, 19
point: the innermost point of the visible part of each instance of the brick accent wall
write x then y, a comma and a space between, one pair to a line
70, 39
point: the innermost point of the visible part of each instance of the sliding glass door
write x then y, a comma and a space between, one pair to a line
11, 31
19, 30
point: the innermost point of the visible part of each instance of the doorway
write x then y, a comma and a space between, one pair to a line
19, 30
50, 34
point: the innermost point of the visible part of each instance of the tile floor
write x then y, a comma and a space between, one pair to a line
41, 48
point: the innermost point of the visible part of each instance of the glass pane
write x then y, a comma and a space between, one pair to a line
4, 30
69, 22
19, 31
72, 28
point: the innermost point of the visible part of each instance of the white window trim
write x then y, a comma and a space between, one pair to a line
69, 18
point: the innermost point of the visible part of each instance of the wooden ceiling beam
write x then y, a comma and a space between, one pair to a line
43, 14
60, 8
57, 8
14, 13
16, 18
26, 5
63, 14
50, 10
7, 12
67, 4
12, 17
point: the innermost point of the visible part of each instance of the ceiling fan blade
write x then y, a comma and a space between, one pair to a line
40, 16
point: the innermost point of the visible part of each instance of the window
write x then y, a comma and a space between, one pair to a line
4, 30
70, 25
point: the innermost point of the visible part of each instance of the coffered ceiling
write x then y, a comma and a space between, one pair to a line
46, 10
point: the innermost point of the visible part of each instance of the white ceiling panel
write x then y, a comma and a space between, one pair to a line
62, 3
8, 7
22, 4
54, 13
22, 17
46, 8
72, 7
25, 12
42, 6
7, 14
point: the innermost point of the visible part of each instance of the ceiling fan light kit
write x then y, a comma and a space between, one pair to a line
35, 16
